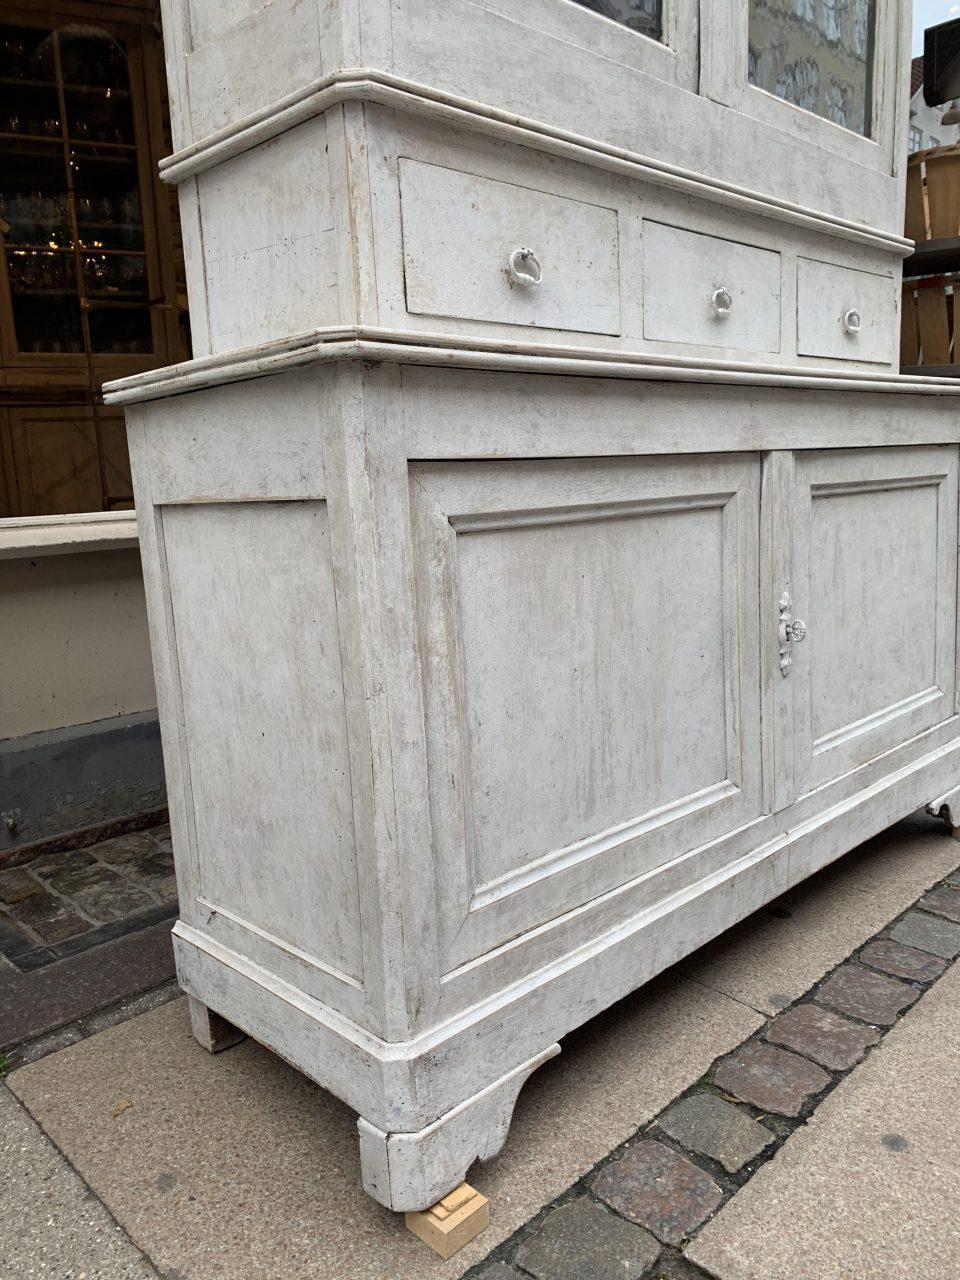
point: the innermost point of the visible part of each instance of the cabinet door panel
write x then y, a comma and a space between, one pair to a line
875, 541
590, 629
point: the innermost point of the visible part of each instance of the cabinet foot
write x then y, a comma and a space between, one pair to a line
452, 1222
947, 807
210, 1030
407, 1171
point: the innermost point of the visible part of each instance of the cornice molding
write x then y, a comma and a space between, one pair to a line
330, 345
365, 84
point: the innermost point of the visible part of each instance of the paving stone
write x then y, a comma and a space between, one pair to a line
584, 1241
825, 1037
660, 1190
123, 849
942, 902
861, 993
151, 871
30, 911
706, 1124
48, 864
70, 879
770, 1078
13, 940
929, 933
65, 924
167, 891
498, 1271
113, 900
954, 877
16, 886
902, 962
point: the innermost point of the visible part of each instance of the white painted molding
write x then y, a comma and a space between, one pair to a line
328, 345
365, 84
25, 536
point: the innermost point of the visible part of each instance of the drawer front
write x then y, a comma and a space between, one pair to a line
705, 290
460, 230
826, 297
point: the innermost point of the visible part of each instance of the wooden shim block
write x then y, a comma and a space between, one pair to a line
934, 334
452, 1222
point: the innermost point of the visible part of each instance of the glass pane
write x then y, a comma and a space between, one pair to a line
48, 321
645, 16
108, 200
817, 54
120, 330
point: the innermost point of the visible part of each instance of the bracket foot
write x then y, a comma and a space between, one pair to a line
210, 1030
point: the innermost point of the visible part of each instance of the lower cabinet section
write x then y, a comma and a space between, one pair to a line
481, 706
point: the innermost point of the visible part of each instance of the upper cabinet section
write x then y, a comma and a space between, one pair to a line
801, 101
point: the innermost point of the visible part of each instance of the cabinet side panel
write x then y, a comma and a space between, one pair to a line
246, 54
261, 688
268, 241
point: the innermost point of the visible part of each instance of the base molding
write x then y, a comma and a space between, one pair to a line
431, 1105
406, 1171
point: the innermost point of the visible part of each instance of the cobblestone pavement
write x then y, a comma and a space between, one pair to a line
60, 904
633, 1215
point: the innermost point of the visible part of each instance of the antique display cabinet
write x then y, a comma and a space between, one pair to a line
547, 564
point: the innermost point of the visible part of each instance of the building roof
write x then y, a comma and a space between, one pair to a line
916, 75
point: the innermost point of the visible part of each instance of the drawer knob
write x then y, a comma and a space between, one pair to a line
852, 320
525, 267
722, 301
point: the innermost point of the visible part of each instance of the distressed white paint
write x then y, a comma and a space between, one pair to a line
686, 274
465, 593
826, 294
460, 230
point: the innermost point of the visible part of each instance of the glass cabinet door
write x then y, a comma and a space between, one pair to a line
659, 38
816, 54
76, 255
821, 70
645, 16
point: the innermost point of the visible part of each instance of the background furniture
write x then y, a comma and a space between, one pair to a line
89, 261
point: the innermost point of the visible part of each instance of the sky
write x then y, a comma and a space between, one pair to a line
927, 13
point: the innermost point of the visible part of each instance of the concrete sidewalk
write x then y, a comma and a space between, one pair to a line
236, 1167
869, 1187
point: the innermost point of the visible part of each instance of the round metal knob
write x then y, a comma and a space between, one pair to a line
798, 630
722, 301
525, 268
852, 320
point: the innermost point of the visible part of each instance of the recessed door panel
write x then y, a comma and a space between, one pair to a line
590, 629
875, 545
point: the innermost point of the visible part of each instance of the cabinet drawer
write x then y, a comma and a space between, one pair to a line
705, 290
844, 313
460, 230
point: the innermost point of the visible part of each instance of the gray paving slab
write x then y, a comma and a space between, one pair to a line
236, 1167
51, 1226
768, 961
869, 1187
33, 1004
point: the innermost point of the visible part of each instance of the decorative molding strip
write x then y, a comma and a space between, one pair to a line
364, 84
329, 345
24, 536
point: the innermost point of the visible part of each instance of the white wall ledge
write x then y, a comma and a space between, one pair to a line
24, 536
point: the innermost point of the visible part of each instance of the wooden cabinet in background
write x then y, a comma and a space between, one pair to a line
89, 273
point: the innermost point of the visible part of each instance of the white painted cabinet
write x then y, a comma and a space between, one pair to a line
546, 563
